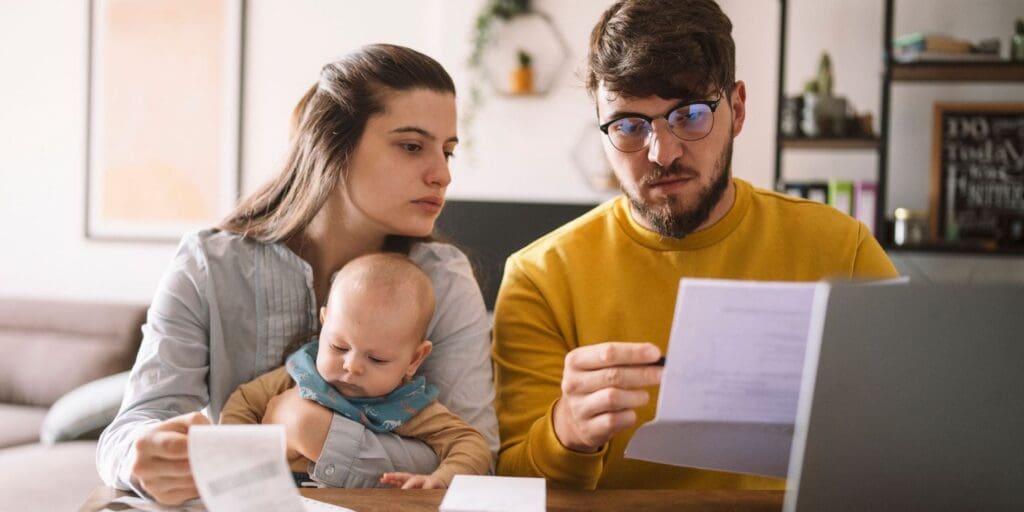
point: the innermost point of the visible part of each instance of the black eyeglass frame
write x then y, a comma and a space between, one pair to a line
711, 104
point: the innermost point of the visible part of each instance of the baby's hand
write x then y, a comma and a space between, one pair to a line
411, 481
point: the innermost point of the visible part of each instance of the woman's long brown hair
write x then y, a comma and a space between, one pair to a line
326, 126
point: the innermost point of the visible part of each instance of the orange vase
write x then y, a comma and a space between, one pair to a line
521, 80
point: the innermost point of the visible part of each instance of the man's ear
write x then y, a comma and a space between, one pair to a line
738, 101
418, 356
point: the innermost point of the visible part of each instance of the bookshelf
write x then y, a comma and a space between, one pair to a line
893, 74
958, 72
848, 143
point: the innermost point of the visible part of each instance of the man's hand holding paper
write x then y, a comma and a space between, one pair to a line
601, 385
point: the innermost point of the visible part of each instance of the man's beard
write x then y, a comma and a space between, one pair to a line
671, 224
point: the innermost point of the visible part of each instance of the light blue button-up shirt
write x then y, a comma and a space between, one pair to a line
225, 312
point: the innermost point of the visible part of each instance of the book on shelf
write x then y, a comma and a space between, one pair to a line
865, 197
921, 47
923, 42
813, 190
840, 195
912, 56
854, 198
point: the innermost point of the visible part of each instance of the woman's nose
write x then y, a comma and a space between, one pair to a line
439, 175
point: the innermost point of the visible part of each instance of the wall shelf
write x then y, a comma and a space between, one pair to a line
865, 143
895, 74
971, 71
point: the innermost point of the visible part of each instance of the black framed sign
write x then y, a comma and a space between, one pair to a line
977, 185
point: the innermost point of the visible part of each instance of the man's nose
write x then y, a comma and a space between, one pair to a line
664, 147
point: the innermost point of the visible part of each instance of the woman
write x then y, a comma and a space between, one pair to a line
367, 171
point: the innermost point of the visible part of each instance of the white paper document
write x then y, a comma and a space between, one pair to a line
472, 493
731, 383
243, 468
135, 503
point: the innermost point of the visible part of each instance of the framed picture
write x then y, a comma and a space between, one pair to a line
977, 185
164, 110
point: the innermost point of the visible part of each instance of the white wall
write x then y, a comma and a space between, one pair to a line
42, 170
286, 45
520, 146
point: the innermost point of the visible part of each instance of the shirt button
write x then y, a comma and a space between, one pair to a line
330, 470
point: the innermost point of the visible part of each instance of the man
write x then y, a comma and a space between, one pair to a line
584, 311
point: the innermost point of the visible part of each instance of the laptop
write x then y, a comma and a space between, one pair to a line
912, 400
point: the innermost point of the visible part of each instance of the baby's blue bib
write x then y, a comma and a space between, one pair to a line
379, 414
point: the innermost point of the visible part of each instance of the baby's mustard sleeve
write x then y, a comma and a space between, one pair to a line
248, 403
461, 449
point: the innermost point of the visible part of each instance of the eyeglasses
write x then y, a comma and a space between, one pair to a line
688, 120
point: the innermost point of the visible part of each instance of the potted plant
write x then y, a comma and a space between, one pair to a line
521, 78
493, 12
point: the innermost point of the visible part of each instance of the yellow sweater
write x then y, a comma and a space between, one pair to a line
603, 277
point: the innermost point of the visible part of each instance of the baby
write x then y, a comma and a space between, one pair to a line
362, 367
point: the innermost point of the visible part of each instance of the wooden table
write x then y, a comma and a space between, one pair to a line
373, 500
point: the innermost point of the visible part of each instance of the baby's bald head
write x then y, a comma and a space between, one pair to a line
385, 284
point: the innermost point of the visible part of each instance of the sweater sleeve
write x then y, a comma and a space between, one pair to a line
248, 403
529, 354
461, 449
871, 261
171, 371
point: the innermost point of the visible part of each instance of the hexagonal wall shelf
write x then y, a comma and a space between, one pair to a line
534, 33
590, 162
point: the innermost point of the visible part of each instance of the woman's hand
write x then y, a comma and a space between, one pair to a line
411, 481
306, 423
161, 460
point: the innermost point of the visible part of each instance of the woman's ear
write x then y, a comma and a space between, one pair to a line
421, 353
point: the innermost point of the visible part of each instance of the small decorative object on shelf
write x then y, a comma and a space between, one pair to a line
825, 75
1017, 43
910, 228
792, 106
809, 118
865, 125
521, 79
823, 115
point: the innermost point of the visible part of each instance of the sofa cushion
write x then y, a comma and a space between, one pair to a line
48, 348
85, 411
58, 477
20, 424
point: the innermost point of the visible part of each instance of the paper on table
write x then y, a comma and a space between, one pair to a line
136, 503
243, 468
731, 383
495, 493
